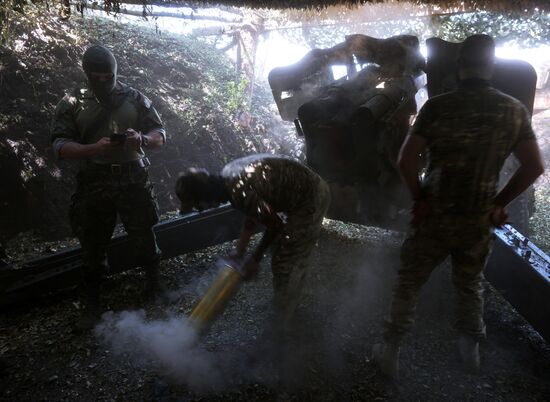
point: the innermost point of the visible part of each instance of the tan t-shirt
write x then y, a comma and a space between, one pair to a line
81, 118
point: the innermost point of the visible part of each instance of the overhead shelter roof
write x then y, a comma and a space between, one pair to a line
497, 5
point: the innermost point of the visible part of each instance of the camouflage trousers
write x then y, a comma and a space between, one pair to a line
291, 252
467, 240
99, 199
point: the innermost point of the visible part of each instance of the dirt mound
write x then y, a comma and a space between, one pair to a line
190, 82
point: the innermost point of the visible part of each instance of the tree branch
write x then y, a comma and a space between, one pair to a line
191, 16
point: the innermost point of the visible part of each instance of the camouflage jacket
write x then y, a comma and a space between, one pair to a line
284, 184
469, 134
81, 118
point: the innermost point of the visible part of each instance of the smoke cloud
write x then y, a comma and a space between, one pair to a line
172, 347
172, 344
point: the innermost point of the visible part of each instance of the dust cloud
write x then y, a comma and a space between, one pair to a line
171, 343
172, 346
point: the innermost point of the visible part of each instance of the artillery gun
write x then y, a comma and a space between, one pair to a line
353, 126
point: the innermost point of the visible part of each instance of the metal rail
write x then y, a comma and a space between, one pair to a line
516, 267
521, 272
61, 270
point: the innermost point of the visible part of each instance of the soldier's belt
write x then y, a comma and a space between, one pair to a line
119, 168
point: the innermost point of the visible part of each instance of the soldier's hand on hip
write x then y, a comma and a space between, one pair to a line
499, 216
133, 139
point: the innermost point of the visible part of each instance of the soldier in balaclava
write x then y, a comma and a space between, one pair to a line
100, 67
107, 126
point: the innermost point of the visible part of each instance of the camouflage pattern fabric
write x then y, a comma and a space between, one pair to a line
466, 239
285, 184
80, 117
301, 195
470, 133
102, 194
99, 197
290, 255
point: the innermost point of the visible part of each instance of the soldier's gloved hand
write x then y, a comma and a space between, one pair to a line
250, 268
499, 216
133, 141
420, 211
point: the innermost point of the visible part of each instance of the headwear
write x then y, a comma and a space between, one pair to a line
476, 57
193, 186
99, 59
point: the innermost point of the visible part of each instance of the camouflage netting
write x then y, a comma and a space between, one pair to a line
496, 5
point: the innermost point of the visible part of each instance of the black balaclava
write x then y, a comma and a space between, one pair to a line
99, 59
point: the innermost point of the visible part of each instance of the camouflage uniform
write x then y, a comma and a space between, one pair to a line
294, 190
469, 134
107, 186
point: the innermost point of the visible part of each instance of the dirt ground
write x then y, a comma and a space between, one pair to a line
149, 357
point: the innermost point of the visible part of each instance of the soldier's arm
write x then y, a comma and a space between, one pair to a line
153, 139
153, 134
409, 163
74, 150
63, 128
65, 134
248, 229
267, 239
531, 167
251, 265
530, 161
409, 158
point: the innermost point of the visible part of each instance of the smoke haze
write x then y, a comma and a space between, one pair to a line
170, 343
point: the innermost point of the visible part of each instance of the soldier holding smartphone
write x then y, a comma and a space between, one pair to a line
107, 126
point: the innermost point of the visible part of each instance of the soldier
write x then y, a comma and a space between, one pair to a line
468, 134
107, 126
288, 198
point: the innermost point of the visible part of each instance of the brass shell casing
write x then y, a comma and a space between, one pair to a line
216, 297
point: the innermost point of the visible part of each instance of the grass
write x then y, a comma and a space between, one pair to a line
539, 222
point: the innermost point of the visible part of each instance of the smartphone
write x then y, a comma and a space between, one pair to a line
118, 137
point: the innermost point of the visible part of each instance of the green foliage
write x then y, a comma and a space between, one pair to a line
528, 30
539, 223
9, 10
236, 94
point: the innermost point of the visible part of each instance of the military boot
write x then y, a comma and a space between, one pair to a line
386, 357
91, 310
468, 348
152, 282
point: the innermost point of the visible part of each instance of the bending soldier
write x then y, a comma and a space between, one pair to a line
467, 134
283, 195
107, 126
